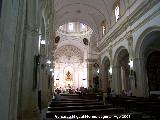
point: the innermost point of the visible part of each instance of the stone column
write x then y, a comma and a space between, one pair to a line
105, 80
44, 71
90, 74
100, 77
116, 79
141, 78
131, 79
44, 93
11, 56
111, 65
129, 38
43, 67
29, 85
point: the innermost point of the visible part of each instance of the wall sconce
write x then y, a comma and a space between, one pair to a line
98, 71
51, 69
131, 63
48, 62
43, 42
132, 75
52, 73
110, 70
131, 66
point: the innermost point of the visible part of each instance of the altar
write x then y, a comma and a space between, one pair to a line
70, 77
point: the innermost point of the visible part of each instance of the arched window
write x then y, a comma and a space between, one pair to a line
70, 27
61, 27
103, 28
82, 27
117, 13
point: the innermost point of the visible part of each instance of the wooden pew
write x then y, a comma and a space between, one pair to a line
108, 111
75, 104
149, 108
66, 108
71, 101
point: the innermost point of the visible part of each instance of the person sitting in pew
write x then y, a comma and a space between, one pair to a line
113, 94
53, 96
123, 93
129, 93
58, 96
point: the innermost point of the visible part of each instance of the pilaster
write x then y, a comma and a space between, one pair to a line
116, 79
90, 75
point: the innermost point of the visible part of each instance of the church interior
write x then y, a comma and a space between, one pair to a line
79, 59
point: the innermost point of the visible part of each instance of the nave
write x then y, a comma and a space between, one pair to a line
72, 44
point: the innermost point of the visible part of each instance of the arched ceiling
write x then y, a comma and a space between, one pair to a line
90, 12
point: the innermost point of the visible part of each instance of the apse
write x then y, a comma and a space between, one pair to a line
70, 70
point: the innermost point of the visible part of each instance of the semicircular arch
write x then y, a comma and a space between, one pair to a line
141, 39
116, 55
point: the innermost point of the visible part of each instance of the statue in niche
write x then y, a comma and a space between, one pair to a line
68, 76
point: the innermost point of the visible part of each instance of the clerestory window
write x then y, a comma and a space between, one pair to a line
117, 13
82, 27
103, 28
71, 27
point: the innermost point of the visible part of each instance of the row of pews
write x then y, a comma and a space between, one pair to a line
149, 107
73, 106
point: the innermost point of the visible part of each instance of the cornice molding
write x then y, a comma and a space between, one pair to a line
138, 26
137, 14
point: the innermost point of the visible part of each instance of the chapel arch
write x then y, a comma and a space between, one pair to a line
148, 57
122, 69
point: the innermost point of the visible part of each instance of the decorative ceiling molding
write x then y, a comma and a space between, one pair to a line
83, 4
92, 10
68, 53
137, 14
